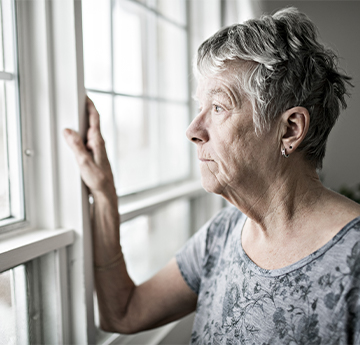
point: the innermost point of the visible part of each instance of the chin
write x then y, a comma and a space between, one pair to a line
209, 181
211, 185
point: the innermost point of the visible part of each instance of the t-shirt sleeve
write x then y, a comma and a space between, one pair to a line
193, 257
190, 258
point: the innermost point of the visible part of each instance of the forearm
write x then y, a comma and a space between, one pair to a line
114, 287
124, 307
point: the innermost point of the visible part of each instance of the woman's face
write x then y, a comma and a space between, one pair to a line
231, 155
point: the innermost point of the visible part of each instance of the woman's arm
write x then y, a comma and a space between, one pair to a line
124, 307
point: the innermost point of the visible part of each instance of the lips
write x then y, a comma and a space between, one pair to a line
203, 156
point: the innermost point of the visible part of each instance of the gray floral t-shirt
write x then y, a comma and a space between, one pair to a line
314, 301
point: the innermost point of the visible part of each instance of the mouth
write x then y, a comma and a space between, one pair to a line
205, 160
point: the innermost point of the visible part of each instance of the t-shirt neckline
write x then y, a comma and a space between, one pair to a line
296, 265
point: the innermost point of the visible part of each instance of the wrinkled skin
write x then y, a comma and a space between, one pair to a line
232, 156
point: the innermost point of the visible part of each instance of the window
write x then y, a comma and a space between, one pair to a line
11, 188
139, 82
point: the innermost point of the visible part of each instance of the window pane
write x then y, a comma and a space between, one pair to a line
150, 54
129, 39
149, 242
14, 150
7, 310
13, 307
173, 9
4, 174
97, 44
137, 144
152, 147
11, 178
1, 41
8, 16
172, 60
173, 145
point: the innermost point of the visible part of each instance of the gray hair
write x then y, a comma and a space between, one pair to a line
285, 66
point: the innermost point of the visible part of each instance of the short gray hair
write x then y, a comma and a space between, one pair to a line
285, 66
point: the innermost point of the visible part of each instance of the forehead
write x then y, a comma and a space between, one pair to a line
228, 79
222, 85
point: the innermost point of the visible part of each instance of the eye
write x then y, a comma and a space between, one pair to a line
217, 108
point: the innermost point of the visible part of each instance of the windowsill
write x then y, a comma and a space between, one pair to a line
135, 205
22, 246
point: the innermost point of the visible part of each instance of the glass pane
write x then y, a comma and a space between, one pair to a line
152, 146
137, 144
97, 44
11, 180
4, 172
172, 62
14, 150
173, 9
7, 310
149, 242
7, 7
1, 41
173, 145
129, 23
13, 307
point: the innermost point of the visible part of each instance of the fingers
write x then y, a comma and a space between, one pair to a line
94, 118
75, 142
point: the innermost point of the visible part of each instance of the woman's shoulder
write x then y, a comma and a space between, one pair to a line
340, 210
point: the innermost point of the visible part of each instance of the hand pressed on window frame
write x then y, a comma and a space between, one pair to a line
92, 159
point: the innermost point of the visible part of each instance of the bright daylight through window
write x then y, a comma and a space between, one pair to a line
11, 196
135, 61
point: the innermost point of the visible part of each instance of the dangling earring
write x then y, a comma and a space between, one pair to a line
284, 153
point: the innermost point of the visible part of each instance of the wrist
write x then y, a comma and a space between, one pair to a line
105, 196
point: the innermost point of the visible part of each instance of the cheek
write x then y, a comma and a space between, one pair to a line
236, 156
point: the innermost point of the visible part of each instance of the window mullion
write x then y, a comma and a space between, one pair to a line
73, 195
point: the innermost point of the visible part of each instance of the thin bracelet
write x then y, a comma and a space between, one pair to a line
114, 262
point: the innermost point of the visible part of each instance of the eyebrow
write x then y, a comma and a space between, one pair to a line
217, 91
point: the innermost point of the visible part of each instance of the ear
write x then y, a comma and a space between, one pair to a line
295, 124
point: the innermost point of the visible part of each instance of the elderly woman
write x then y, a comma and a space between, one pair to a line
283, 264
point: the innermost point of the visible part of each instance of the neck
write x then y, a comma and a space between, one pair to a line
279, 200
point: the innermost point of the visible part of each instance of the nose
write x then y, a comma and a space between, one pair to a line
197, 132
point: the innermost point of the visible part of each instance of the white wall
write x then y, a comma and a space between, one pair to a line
339, 26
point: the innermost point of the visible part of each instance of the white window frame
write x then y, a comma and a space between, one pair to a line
56, 234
